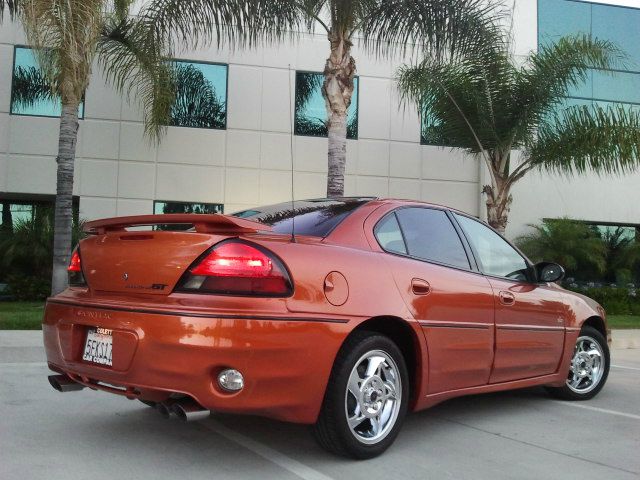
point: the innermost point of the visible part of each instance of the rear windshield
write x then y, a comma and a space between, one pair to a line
311, 217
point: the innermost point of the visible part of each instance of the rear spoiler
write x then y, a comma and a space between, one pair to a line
208, 223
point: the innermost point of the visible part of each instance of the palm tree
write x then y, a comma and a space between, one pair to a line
489, 104
438, 27
67, 37
574, 245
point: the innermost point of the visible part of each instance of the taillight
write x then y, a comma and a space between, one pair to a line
76, 278
238, 268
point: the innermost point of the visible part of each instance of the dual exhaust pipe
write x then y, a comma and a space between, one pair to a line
186, 409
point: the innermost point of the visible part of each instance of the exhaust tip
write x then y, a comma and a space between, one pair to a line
164, 410
62, 383
188, 410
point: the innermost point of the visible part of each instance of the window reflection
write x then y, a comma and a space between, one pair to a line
30, 92
201, 95
311, 111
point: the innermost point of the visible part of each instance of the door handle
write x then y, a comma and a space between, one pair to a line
420, 287
507, 298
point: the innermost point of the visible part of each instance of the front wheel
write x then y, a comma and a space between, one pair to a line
589, 367
366, 399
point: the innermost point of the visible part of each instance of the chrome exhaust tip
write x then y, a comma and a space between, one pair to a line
188, 410
62, 383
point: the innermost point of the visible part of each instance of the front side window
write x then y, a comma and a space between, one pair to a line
430, 235
311, 111
496, 256
31, 93
201, 95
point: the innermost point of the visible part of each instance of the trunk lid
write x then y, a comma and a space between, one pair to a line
151, 262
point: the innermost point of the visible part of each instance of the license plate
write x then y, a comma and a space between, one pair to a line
98, 346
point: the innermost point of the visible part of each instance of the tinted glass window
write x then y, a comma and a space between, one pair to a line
389, 236
558, 18
201, 95
184, 207
311, 110
311, 217
496, 256
30, 91
430, 235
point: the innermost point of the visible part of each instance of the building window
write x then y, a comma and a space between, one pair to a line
311, 112
558, 18
30, 91
201, 95
14, 213
161, 207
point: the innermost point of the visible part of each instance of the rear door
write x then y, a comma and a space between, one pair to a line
529, 316
453, 304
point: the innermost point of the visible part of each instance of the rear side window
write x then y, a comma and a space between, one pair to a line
389, 236
430, 235
311, 217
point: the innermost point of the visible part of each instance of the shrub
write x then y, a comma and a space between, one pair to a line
615, 301
28, 287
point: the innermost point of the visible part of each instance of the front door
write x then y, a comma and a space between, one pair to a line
529, 316
453, 304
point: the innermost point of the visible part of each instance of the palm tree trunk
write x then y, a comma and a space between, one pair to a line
7, 219
337, 90
64, 195
498, 204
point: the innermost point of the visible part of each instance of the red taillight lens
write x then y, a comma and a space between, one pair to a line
76, 278
74, 264
238, 268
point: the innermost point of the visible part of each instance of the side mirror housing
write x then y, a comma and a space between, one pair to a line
549, 272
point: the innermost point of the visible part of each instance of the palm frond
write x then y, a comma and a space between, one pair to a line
579, 139
440, 28
135, 66
8, 7
549, 75
64, 34
236, 22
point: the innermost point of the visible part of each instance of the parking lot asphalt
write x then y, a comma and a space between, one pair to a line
521, 434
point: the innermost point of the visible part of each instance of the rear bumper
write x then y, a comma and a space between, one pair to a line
285, 361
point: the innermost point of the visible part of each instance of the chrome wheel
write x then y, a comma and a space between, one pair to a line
373, 397
587, 365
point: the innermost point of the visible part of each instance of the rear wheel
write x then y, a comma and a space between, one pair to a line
366, 398
589, 367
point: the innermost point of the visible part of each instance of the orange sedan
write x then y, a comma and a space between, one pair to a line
341, 313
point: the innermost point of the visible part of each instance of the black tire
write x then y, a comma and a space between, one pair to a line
331, 430
566, 392
149, 403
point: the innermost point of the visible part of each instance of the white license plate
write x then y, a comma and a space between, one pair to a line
98, 346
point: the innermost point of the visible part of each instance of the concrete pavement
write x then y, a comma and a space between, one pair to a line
523, 434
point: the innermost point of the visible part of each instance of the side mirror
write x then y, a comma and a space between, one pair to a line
549, 272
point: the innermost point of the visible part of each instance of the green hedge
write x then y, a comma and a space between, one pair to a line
615, 301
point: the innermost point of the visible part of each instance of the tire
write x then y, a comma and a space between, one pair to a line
588, 372
149, 403
383, 393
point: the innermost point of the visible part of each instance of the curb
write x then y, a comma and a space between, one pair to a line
625, 339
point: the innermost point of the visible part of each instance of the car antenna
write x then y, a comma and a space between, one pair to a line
293, 203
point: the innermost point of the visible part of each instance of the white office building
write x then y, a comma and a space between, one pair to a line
259, 138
